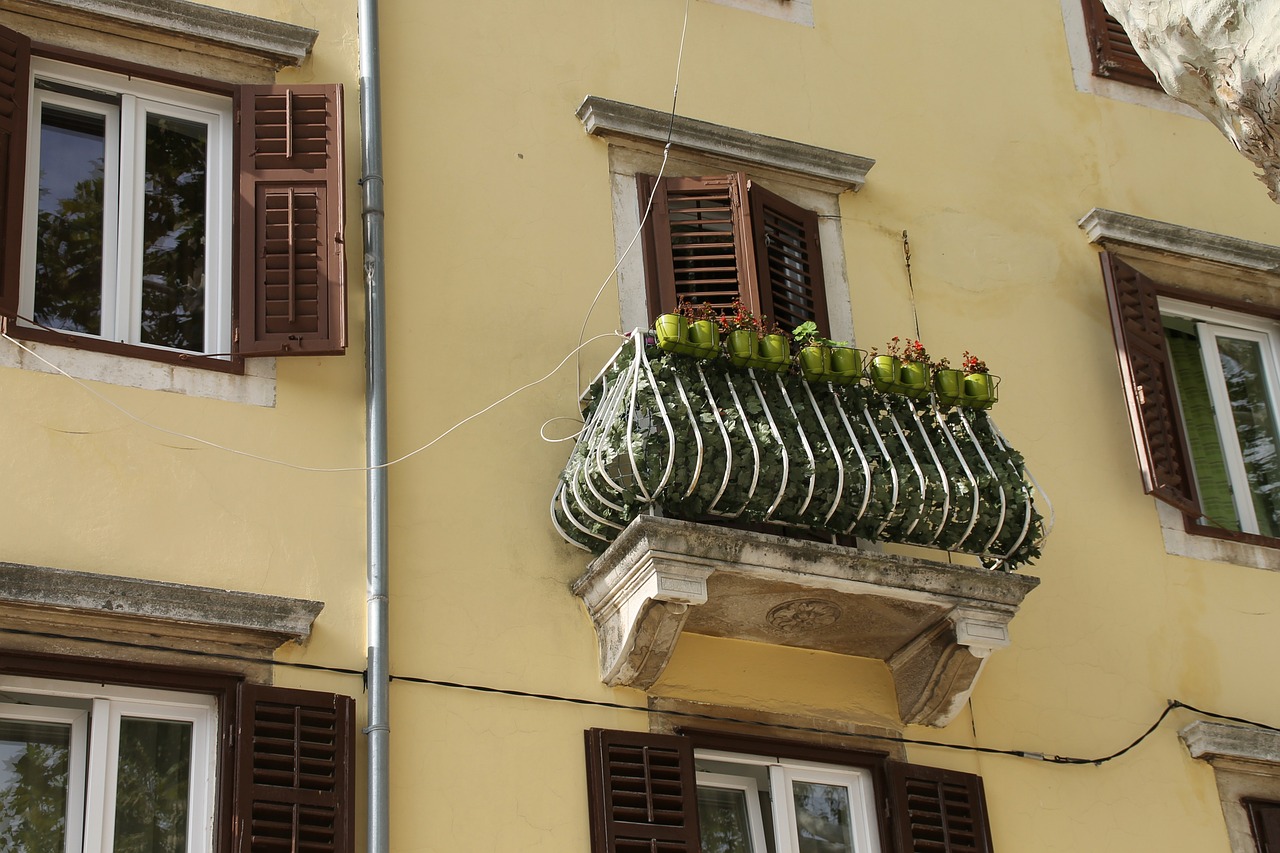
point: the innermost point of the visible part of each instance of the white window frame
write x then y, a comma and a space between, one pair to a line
78, 722
751, 793
124, 195
783, 772
1209, 322
95, 750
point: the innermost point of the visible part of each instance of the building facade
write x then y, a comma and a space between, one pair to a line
638, 600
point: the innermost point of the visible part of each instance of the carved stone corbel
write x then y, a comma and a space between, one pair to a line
935, 672
639, 611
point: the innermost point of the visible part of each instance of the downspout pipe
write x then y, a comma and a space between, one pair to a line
376, 665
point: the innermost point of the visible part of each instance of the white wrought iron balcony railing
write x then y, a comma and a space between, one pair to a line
706, 441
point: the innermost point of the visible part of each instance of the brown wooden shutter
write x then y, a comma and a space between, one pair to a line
788, 261
1148, 385
1264, 820
1113, 53
642, 793
938, 811
291, 292
15, 89
295, 756
698, 242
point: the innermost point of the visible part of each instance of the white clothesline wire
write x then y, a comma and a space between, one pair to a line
141, 421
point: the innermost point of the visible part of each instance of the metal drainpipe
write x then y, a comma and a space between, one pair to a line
371, 182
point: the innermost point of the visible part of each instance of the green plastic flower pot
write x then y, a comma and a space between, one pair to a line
672, 331
742, 345
846, 364
980, 389
948, 383
914, 377
815, 363
884, 372
704, 338
774, 353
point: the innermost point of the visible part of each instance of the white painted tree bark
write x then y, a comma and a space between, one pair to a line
1221, 57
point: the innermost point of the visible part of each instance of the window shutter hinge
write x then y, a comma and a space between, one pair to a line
1141, 393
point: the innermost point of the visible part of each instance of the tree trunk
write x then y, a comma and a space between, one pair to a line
1221, 57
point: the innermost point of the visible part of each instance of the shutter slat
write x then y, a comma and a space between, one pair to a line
291, 295
938, 811
1148, 385
294, 766
15, 62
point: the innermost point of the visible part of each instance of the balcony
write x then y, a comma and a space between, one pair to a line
678, 457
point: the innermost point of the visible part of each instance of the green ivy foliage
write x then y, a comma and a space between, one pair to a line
695, 439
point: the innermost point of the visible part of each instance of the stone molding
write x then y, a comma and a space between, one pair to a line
934, 624
57, 611
1214, 742
1113, 230
834, 170
279, 43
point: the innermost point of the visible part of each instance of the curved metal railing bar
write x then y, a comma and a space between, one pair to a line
782, 448
924, 489
804, 443
728, 443
973, 481
942, 474
831, 443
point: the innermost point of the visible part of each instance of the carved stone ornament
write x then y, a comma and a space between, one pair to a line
803, 614
934, 624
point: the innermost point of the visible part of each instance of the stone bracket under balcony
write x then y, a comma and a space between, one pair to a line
934, 624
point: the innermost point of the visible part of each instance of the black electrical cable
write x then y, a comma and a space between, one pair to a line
1172, 705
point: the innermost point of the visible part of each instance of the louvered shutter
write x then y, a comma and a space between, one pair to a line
1264, 820
1113, 53
698, 240
292, 274
294, 764
788, 261
1148, 385
15, 87
642, 792
938, 811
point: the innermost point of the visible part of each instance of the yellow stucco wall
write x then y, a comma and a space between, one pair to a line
500, 230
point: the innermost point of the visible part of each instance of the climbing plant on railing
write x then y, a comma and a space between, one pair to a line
703, 439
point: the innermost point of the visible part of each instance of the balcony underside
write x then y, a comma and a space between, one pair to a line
934, 624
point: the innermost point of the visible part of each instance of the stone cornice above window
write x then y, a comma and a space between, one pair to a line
1122, 231
151, 621
1215, 742
834, 170
178, 23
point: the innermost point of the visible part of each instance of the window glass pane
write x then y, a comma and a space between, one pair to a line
1213, 483
823, 821
174, 222
68, 292
34, 759
152, 786
1244, 370
724, 821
